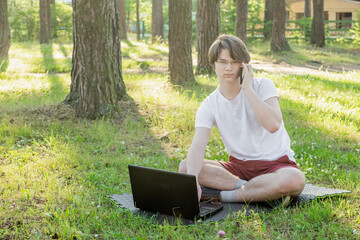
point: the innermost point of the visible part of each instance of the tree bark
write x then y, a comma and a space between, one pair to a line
207, 30
96, 78
122, 14
180, 58
4, 36
45, 21
157, 21
137, 21
307, 14
268, 19
278, 40
241, 19
317, 35
307, 8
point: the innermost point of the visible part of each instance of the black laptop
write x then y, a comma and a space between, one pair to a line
169, 193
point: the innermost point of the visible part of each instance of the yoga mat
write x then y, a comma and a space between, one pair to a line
309, 193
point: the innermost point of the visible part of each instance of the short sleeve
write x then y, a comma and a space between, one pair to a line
205, 115
267, 89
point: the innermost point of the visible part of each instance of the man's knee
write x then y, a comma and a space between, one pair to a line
182, 167
293, 181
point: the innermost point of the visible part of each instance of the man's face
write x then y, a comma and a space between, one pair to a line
226, 68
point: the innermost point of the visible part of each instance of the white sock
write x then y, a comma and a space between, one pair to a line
240, 183
228, 196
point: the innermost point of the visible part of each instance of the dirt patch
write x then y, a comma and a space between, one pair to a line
313, 67
59, 111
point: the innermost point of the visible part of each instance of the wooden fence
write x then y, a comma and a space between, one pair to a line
301, 28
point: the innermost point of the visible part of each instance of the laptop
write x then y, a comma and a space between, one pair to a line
169, 193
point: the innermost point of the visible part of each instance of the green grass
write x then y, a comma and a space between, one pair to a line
56, 170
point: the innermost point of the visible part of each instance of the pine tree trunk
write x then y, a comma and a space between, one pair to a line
241, 19
268, 19
278, 40
180, 58
96, 79
4, 36
122, 14
157, 21
45, 20
207, 30
307, 8
317, 35
137, 21
48, 16
307, 14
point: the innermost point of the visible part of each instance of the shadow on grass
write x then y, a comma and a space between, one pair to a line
51, 66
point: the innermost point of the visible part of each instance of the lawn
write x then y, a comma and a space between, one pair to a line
56, 170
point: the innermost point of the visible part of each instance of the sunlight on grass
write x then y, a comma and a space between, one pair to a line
32, 90
35, 58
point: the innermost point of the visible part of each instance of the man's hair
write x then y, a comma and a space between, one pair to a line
236, 47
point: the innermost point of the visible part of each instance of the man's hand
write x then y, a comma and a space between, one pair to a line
248, 75
198, 191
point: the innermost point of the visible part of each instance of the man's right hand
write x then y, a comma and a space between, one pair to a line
199, 191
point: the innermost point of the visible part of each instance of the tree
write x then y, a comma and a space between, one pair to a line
241, 19
180, 59
268, 19
122, 13
45, 21
307, 9
4, 36
157, 23
278, 40
137, 20
317, 35
207, 30
307, 15
96, 78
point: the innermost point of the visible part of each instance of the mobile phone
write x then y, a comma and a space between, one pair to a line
241, 75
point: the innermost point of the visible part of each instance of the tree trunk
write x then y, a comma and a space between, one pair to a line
317, 35
4, 36
207, 30
241, 19
157, 21
96, 79
268, 19
180, 59
278, 40
307, 8
122, 14
48, 16
137, 21
45, 21
307, 14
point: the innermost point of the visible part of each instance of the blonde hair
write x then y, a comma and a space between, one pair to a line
237, 49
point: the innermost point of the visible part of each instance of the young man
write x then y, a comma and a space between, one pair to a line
246, 111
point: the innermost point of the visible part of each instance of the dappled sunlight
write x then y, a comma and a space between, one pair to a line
334, 109
32, 90
30, 58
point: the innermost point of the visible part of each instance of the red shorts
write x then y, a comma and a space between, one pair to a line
247, 170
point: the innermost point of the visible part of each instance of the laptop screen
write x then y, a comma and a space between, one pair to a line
164, 192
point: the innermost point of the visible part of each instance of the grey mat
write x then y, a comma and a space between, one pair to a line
309, 193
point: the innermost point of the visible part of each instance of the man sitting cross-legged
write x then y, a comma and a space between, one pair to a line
246, 111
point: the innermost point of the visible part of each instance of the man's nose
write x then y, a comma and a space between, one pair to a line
228, 65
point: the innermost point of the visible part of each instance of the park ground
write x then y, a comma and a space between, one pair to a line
56, 169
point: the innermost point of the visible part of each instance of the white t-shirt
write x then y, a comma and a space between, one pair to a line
243, 136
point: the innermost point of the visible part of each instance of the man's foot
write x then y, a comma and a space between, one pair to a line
210, 195
281, 202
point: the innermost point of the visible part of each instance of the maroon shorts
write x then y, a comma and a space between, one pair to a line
247, 170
